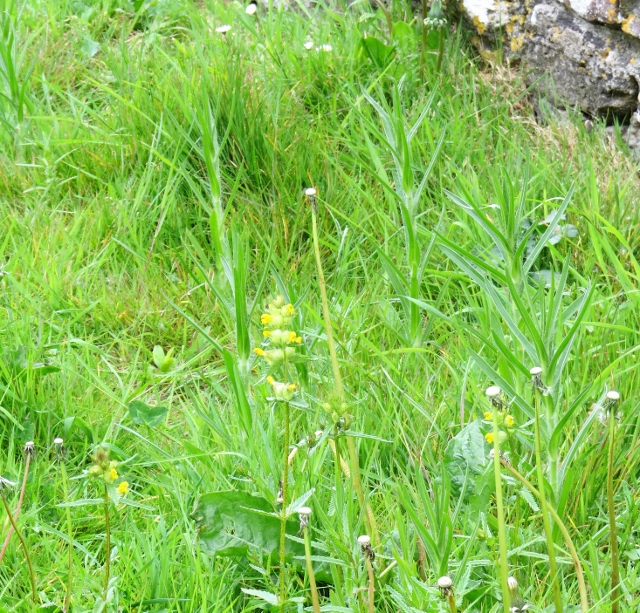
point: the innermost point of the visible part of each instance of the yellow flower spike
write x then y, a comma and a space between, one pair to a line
270, 380
258, 351
290, 310
488, 416
292, 386
113, 474
292, 337
266, 333
265, 319
123, 488
510, 421
489, 437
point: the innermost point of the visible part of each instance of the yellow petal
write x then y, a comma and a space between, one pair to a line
258, 351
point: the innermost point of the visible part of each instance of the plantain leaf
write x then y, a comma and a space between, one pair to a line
230, 523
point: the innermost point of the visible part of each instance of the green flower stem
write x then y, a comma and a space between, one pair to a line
557, 596
502, 531
65, 488
387, 16
356, 478
440, 49
312, 577
613, 537
425, 32
584, 601
283, 517
107, 528
32, 575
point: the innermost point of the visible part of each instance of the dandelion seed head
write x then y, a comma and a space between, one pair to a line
536, 370
445, 582
310, 191
58, 441
223, 29
613, 396
364, 540
493, 391
308, 45
512, 582
251, 9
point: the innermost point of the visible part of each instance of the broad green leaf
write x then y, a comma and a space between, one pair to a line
230, 523
379, 53
466, 456
144, 414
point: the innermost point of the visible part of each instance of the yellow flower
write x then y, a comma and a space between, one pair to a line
489, 437
488, 415
258, 351
265, 319
294, 338
290, 310
270, 380
266, 333
292, 386
509, 421
123, 488
113, 474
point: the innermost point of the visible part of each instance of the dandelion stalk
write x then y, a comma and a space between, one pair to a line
613, 397
304, 513
557, 596
32, 575
369, 556
28, 453
493, 393
445, 584
584, 601
354, 462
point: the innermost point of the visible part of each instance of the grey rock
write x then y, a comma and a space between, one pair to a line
577, 54
581, 64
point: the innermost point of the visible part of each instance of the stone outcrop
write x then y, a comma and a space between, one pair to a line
582, 54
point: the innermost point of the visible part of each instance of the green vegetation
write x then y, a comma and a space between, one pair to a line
153, 170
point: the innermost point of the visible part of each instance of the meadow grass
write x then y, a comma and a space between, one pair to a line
152, 173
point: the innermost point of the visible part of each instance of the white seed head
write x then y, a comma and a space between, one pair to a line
308, 45
326, 48
223, 29
613, 396
512, 582
364, 540
318, 433
493, 391
251, 9
310, 191
492, 453
58, 441
535, 371
445, 583
304, 511
29, 445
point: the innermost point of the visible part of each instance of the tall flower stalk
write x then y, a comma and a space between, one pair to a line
612, 399
105, 469
338, 409
279, 348
536, 376
493, 393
